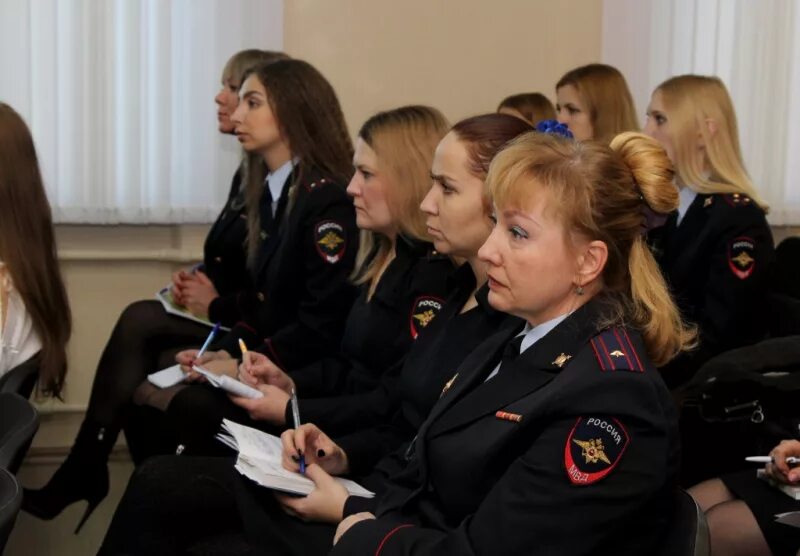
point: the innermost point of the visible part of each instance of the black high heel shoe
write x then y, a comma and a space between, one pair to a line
82, 476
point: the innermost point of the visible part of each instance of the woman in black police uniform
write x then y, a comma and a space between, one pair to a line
571, 447
403, 284
715, 251
146, 337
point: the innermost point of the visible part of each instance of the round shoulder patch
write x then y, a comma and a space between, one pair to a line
330, 240
593, 448
423, 311
741, 257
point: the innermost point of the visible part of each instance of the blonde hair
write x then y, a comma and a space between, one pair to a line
404, 140
245, 60
690, 101
605, 94
603, 193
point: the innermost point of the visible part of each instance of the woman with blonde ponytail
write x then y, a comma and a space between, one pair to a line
716, 249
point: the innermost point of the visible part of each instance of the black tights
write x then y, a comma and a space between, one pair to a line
202, 506
144, 340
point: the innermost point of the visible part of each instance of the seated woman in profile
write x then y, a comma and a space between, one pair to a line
35, 319
741, 508
557, 437
595, 102
531, 107
716, 249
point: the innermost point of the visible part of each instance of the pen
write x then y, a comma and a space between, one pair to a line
769, 459
296, 419
208, 341
243, 349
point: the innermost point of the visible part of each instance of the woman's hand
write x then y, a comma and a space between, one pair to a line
317, 447
325, 503
256, 369
198, 293
270, 408
779, 469
348, 522
188, 357
179, 281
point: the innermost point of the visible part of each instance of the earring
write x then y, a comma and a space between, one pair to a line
579, 290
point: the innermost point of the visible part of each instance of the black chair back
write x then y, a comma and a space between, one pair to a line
19, 422
687, 533
10, 502
22, 378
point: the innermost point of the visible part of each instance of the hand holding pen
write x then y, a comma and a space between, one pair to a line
781, 458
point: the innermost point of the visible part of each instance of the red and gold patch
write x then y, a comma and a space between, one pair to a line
741, 257
593, 449
330, 240
423, 311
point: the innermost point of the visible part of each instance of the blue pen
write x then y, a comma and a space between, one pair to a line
296, 419
208, 341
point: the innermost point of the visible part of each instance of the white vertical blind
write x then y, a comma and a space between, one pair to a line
754, 47
119, 97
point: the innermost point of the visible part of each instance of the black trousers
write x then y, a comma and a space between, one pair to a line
144, 340
203, 506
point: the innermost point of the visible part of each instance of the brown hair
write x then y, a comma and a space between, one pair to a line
534, 107
245, 60
404, 140
27, 247
690, 101
483, 136
311, 122
606, 95
602, 193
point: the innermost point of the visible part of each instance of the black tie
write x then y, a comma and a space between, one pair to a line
511, 352
265, 210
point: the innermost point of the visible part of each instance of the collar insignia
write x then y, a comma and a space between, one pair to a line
561, 360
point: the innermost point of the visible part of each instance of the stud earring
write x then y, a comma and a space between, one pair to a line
579, 290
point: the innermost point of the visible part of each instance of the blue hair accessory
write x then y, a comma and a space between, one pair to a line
554, 127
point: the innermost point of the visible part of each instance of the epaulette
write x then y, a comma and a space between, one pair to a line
316, 184
737, 199
614, 351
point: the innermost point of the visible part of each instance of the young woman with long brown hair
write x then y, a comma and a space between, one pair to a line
35, 319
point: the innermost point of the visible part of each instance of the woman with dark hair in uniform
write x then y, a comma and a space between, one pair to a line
403, 284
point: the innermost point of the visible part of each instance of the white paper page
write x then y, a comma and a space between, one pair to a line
789, 518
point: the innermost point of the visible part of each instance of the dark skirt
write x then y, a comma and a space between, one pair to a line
765, 501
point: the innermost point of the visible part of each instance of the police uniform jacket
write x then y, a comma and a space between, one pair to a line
717, 265
378, 335
296, 311
570, 449
433, 359
225, 253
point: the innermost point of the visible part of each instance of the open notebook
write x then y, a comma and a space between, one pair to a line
792, 491
260, 461
164, 295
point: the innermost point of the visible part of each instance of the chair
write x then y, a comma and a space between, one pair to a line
687, 533
10, 502
785, 277
19, 421
22, 378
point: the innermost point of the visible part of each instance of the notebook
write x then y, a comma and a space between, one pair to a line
260, 461
173, 375
789, 490
165, 297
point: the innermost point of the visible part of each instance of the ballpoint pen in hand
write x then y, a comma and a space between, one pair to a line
296, 419
769, 459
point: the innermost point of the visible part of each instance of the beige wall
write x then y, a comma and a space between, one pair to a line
461, 56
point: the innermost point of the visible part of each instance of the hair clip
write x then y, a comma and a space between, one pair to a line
554, 127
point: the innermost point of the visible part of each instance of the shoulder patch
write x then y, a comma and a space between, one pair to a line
330, 239
593, 449
614, 351
737, 199
741, 256
423, 311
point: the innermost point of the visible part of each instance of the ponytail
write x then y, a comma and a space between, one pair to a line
653, 309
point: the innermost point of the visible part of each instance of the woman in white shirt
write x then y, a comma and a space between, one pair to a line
35, 319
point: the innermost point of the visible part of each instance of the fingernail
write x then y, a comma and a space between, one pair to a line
320, 453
